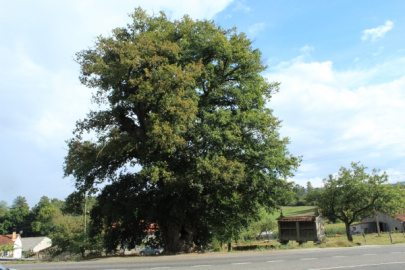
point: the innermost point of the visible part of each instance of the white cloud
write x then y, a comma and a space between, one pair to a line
307, 49
41, 96
332, 121
256, 28
198, 9
377, 32
241, 6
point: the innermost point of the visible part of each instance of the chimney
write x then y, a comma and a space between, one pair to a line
14, 235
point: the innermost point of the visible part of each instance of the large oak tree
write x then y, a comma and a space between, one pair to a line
182, 138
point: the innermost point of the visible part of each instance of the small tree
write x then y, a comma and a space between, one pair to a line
353, 194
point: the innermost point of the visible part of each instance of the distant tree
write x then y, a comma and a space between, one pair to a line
3, 208
354, 194
299, 195
43, 214
310, 188
5, 224
186, 101
74, 203
19, 216
311, 195
60, 204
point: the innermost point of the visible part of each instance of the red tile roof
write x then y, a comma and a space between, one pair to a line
7, 239
401, 217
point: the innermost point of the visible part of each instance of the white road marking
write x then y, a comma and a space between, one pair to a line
201, 265
339, 256
355, 266
307, 259
369, 254
241, 263
275, 261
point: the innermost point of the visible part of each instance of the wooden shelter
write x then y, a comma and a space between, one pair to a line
301, 229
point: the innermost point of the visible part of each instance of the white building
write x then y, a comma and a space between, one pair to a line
15, 241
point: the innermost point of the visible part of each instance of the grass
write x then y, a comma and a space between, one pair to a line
294, 211
331, 241
335, 234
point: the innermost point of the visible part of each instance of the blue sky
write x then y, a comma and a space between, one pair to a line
340, 64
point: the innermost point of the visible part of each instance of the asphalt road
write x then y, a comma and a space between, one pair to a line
363, 257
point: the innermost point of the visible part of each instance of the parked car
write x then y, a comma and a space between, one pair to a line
151, 251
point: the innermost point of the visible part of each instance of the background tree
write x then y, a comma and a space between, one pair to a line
312, 195
3, 208
44, 213
299, 195
353, 194
18, 217
4, 223
185, 101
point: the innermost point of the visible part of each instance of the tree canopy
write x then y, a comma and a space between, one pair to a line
182, 137
353, 194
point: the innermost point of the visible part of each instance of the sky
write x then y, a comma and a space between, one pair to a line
340, 64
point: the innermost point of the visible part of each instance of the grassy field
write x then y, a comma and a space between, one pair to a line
294, 211
335, 234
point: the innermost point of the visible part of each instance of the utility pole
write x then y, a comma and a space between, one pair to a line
85, 211
83, 249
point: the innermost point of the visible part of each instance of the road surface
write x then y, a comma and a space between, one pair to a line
362, 257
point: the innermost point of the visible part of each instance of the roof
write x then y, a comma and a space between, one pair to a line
29, 243
7, 239
297, 218
153, 227
401, 217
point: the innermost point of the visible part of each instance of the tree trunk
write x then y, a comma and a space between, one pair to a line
177, 238
377, 221
348, 232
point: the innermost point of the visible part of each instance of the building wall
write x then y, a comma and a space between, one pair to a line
356, 228
44, 244
388, 223
17, 252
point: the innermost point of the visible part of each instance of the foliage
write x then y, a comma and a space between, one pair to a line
312, 194
183, 137
6, 247
353, 194
299, 195
3, 208
17, 218
70, 236
45, 212
75, 202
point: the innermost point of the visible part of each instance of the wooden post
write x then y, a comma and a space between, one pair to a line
391, 237
297, 226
